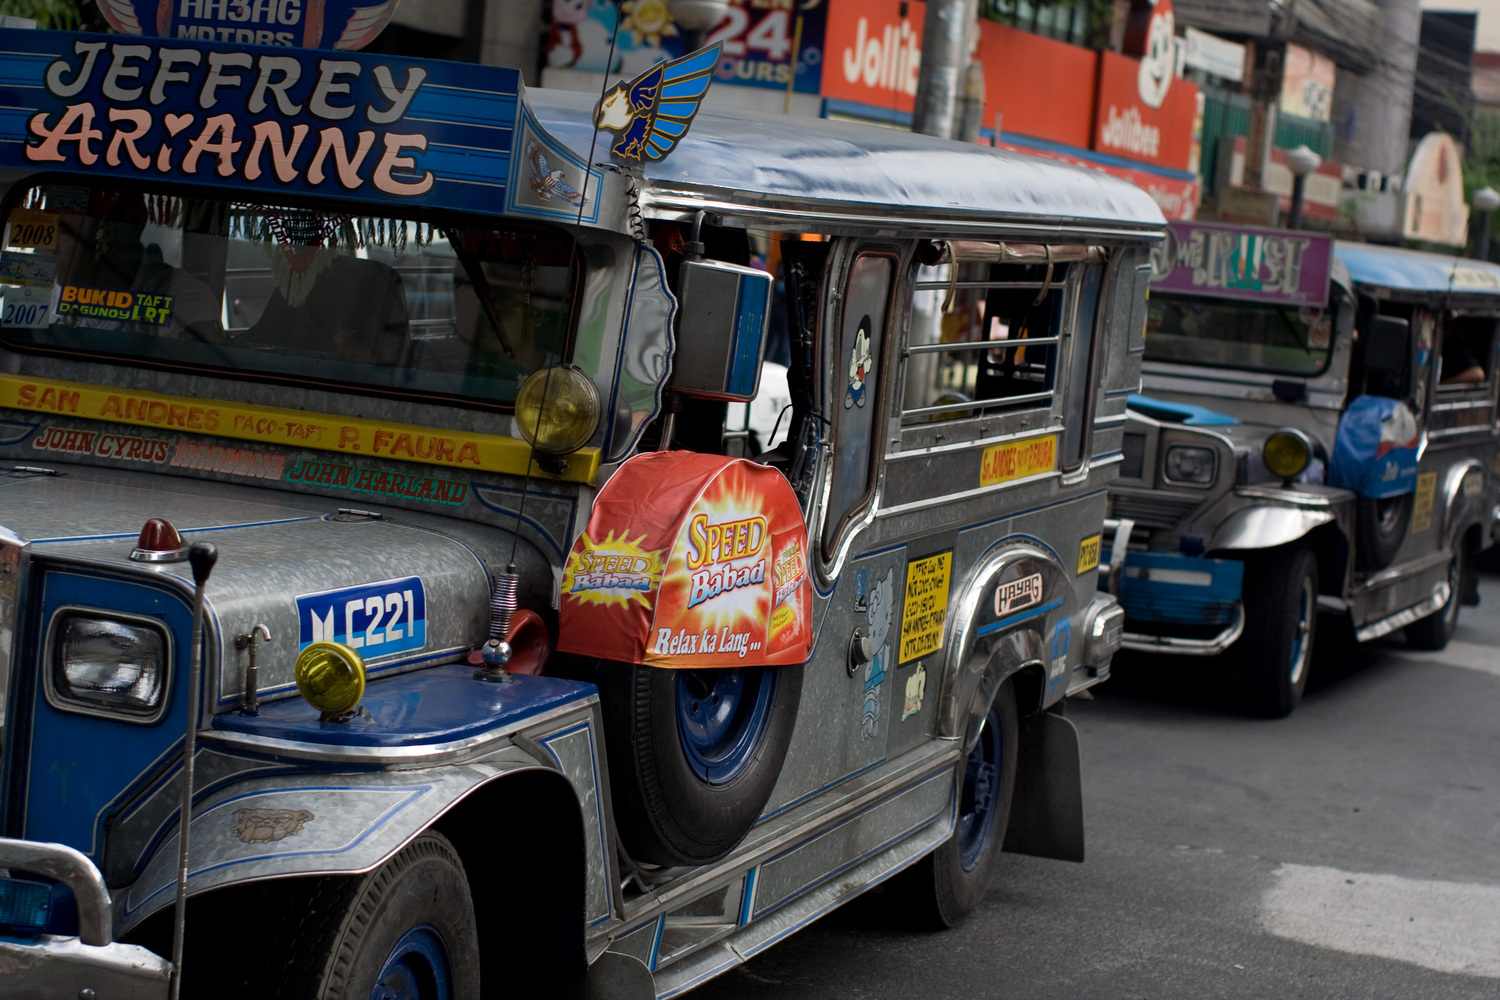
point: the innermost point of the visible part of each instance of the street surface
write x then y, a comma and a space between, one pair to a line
1351, 850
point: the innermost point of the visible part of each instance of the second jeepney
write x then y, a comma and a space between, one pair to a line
368, 486
1317, 431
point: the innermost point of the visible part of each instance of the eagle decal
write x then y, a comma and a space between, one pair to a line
546, 184
651, 113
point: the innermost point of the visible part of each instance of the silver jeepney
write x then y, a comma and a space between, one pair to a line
342, 424
1214, 551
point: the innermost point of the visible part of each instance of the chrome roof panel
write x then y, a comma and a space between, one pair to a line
767, 169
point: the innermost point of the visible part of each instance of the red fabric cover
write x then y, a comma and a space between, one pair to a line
690, 560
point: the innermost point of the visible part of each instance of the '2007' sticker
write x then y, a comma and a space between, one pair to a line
378, 618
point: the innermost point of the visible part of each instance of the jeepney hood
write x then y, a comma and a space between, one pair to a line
292, 563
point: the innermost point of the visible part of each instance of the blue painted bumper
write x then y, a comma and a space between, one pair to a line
1183, 590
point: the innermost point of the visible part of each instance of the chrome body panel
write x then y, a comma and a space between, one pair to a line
54, 966
1266, 527
1146, 643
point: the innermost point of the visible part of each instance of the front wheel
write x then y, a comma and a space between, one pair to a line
1281, 618
945, 887
1433, 632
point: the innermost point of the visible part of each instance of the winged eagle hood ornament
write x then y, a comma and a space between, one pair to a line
650, 114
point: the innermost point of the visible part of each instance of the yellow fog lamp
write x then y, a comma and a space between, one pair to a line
1286, 453
557, 410
331, 678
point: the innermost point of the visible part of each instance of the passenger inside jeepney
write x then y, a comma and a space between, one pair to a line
1465, 340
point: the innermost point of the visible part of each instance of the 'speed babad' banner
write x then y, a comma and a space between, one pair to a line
690, 560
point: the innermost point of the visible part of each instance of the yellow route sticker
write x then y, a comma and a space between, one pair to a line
926, 606
31, 230
297, 428
1421, 508
1017, 460
1088, 554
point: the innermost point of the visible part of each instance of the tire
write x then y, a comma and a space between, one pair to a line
404, 930
1433, 632
693, 754
1281, 621
947, 885
1380, 528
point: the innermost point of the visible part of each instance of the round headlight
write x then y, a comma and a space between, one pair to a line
557, 410
1286, 453
331, 678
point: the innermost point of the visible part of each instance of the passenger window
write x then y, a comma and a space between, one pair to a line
855, 406
1467, 353
961, 316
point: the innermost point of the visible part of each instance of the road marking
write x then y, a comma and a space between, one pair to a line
1469, 655
1447, 926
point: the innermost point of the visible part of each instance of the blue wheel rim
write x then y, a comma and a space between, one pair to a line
721, 717
416, 969
978, 798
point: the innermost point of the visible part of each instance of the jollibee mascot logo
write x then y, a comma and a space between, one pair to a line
1159, 61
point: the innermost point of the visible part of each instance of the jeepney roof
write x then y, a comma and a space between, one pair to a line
775, 171
1417, 271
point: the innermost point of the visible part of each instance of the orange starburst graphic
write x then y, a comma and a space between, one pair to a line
613, 571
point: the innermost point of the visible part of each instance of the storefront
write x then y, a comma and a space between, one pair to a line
860, 59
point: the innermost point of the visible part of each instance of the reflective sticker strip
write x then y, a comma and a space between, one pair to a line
925, 607
1012, 460
1421, 510
1088, 554
247, 422
378, 618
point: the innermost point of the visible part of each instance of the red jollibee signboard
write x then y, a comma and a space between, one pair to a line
690, 560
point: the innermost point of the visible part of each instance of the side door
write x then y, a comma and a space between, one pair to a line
847, 688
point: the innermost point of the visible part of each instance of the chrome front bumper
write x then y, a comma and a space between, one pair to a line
47, 966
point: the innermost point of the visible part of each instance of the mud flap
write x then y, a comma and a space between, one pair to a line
1046, 810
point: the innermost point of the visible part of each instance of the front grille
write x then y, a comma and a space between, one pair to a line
1151, 508
1133, 465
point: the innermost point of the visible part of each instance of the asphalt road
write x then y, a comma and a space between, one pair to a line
1351, 850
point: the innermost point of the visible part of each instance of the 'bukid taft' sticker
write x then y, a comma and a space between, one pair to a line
378, 618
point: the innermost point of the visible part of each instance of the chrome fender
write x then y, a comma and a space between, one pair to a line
988, 641
321, 823
1463, 497
1266, 527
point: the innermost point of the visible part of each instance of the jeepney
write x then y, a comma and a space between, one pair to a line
369, 497
1316, 432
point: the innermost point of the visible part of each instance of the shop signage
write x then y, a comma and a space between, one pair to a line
1214, 55
874, 51
1307, 84
1285, 267
1176, 195
313, 24
1143, 112
1435, 206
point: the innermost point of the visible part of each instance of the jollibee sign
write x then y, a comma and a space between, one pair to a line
690, 560
1143, 112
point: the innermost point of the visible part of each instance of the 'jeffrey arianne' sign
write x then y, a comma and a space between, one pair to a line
292, 121
1281, 266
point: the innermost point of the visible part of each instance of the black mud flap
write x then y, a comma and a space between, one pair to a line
1046, 810
618, 977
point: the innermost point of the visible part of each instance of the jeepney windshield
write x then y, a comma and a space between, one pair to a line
257, 289
1224, 333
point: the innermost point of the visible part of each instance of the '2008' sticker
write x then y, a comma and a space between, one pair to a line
378, 618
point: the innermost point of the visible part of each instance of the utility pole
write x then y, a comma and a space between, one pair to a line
945, 61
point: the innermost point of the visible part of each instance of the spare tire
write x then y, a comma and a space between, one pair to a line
693, 754
1380, 525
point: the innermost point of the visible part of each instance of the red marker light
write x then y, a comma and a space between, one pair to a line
159, 542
